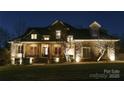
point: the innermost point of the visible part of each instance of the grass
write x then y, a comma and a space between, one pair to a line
58, 72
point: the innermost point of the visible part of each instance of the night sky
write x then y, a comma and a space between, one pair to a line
18, 21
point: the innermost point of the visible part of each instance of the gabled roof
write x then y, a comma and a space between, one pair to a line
84, 33
95, 23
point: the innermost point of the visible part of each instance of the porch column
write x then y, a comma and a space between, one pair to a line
20, 61
24, 46
13, 53
12, 61
20, 55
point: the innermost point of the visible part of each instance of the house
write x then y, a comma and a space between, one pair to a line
61, 42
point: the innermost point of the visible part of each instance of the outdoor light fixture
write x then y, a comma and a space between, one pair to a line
57, 59
78, 58
31, 60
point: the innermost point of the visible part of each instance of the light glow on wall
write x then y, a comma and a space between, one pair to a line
78, 58
111, 54
112, 57
19, 55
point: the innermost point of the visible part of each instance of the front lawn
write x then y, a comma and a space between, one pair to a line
63, 72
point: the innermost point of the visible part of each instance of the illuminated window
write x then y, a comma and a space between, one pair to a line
46, 37
33, 36
70, 38
86, 52
58, 34
19, 49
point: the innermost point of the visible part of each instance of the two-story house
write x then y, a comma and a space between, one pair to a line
60, 42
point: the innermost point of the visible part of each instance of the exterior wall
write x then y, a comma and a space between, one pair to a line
75, 49
96, 47
14, 53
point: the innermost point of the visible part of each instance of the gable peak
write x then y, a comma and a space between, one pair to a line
57, 21
95, 24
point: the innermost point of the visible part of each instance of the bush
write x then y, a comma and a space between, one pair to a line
4, 56
25, 61
41, 60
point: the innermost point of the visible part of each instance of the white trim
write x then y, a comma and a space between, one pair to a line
80, 40
38, 42
75, 40
57, 21
95, 23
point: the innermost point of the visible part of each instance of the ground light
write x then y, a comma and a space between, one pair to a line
57, 59
78, 58
112, 57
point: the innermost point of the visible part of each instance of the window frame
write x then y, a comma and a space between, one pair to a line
84, 54
70, 38
33, 36
46, 37
58, 34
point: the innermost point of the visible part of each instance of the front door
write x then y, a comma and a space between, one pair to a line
45, 50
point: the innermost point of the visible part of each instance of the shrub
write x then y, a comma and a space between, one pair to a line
4, 56
25, 61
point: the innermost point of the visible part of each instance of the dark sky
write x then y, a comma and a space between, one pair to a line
15, 21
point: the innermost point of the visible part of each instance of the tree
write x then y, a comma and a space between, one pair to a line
103, 47
4, 37
4, 56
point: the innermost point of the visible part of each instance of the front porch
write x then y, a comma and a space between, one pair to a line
57, 52
44, 52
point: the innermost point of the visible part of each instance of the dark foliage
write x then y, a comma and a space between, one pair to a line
4, 56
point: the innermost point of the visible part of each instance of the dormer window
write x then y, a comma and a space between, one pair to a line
95, 26
33, 36
46, 37
70, 38
58, 34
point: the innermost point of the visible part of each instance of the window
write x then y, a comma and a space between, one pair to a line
33, 36
70, 38
58, 34
19, 49
33, 50
94, 33
86, 52
57, 50
46, 37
